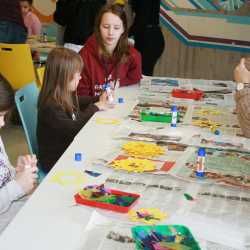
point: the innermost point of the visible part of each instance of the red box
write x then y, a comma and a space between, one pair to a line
113, 207
188, 94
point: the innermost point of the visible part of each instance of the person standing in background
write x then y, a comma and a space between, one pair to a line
31, 21
12, 28
147, 33
78, 18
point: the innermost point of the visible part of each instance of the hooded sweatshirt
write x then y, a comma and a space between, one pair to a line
97, 70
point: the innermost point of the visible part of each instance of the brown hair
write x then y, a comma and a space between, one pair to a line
29, 1
121, 51
60, 68
6, 95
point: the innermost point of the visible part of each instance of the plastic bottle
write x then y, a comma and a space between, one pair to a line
200, 163
78, 160
109, 93
174, 116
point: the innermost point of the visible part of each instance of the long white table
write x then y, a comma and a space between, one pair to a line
48, 220
51, 221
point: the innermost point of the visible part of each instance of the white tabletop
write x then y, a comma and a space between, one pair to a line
49, 220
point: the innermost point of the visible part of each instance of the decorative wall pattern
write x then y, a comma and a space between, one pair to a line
209, 23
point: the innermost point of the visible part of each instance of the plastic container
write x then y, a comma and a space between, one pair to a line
93, 203
188, 94
164, 237
200, 162
155, 117
174, 116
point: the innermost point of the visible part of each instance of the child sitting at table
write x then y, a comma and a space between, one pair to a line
31, 21
242, 95
107, 56
14, 182
61, 114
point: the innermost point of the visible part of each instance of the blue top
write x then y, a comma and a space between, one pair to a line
174, 108
78, 156
201, 152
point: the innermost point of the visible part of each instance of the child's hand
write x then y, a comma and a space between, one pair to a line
241, 74
27, 179
25, 160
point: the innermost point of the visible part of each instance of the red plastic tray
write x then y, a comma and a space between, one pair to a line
188, 94
113, 207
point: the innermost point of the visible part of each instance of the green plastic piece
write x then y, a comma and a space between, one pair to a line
149, 116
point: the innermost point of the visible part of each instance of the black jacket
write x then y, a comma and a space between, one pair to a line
78, 17
56, 129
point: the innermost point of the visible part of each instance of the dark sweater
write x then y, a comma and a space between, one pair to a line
10, 11
56, 129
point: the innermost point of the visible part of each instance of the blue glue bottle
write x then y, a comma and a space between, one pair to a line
174, 116
200, 163
78, 160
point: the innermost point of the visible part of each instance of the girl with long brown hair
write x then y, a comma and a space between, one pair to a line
107, 56
61, 114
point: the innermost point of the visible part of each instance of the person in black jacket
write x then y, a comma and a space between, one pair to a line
61, 114
78, 18
147, 33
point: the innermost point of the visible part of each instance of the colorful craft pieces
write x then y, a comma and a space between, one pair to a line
99, 196
142, 149
134, 165
164, 237
68, 177
147, 215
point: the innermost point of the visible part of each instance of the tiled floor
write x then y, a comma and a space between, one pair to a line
14, 141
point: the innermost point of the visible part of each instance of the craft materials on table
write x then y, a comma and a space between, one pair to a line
147, 215
164, 237
188, 94
134, 165
99, 196
142, 149
111, 121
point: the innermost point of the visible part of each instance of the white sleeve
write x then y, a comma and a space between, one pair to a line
9, 193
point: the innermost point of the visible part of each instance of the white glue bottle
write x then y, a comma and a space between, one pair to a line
200, 163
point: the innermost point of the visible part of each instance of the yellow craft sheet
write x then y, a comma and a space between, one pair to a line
142, 149
134, 165
112, 121
69, 177
154, 212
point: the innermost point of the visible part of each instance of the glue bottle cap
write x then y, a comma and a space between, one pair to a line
78, 156
201, 152
174, 108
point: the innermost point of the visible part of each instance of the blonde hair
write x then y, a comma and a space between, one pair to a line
60, 68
